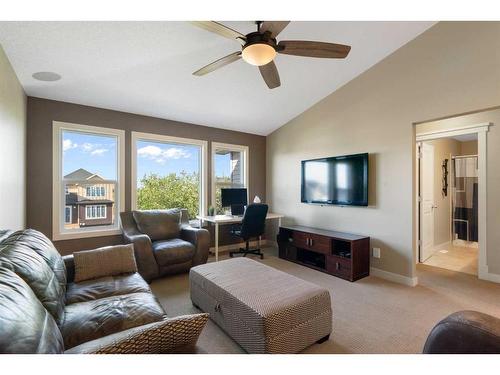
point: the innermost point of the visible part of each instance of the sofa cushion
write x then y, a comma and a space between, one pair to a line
31, 262
40, 244
105, 261
25, 325
103, 287
173, 251
91, 320
159, 224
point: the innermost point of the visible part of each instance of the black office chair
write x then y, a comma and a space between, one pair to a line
253, 225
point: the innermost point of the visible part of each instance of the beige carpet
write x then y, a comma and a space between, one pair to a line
369, 316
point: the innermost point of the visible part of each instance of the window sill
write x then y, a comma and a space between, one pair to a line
85, 234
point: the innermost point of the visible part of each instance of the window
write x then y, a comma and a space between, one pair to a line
168, 172
88, 177
229, 170
95, 191
95, 212
67, 215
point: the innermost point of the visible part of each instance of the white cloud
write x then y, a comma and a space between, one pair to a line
149, 152
87, 147
176, 153
68, 144
99, 151
160, 155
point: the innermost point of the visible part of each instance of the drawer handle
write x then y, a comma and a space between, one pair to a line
337, 266
217, 307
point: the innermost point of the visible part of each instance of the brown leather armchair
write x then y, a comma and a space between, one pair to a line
465, 332
164, 242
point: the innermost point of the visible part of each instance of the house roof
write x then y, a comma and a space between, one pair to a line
73, 199
82, 174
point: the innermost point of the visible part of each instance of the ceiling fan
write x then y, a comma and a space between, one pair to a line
260, 47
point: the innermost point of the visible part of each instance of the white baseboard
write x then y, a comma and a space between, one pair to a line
394, 277
486, 275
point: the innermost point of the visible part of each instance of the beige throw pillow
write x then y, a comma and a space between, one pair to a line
172, 335
105, 261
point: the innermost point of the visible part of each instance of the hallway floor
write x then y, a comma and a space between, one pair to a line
455, 258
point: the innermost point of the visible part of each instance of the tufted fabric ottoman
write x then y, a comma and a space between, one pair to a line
263, 309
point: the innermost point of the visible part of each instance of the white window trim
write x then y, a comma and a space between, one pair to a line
58, 199
150, 137
87, 217
230, 147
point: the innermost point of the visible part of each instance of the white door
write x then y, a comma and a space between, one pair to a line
426, 201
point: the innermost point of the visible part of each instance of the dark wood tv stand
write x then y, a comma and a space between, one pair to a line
339, 254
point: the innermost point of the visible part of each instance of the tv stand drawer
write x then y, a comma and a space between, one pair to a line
339, 266
313, 242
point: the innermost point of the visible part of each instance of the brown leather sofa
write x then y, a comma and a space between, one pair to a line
465, 332
43, 311
164, 242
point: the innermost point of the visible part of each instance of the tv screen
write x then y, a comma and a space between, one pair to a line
340, 180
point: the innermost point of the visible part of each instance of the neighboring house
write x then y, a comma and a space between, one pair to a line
89, 200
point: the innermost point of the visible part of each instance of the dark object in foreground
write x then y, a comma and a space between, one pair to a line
465, 332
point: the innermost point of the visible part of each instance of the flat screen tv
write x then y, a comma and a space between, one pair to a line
338, 180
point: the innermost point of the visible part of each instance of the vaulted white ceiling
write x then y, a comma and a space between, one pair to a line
146, 68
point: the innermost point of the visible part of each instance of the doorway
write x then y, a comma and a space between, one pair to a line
448, 201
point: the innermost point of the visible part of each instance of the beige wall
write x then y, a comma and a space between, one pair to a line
12, 147
493, 172
451, 68
443, 149
468, 148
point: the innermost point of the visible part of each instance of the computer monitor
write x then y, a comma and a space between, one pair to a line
236, 198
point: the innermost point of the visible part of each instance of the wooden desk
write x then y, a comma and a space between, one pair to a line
229, 219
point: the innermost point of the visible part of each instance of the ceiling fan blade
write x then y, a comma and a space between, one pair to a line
275, 27
220, 29
218, 63
270, 75
313, 49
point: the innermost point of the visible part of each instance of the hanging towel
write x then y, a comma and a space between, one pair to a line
466, 167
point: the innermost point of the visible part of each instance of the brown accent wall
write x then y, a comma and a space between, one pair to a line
42, 112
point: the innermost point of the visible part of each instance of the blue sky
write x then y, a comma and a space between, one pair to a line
97, 154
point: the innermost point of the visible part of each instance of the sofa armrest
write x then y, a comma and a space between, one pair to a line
465, 332
172, 335
200, 238
144, 257
69, 262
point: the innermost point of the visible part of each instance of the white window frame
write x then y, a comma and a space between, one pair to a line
102, 207
58, 199
150, 137
230, 147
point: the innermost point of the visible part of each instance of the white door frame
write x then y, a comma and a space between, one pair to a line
481, 130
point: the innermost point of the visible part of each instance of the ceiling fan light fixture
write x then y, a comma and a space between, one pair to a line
258, 54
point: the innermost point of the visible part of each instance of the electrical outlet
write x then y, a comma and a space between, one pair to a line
376, 252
